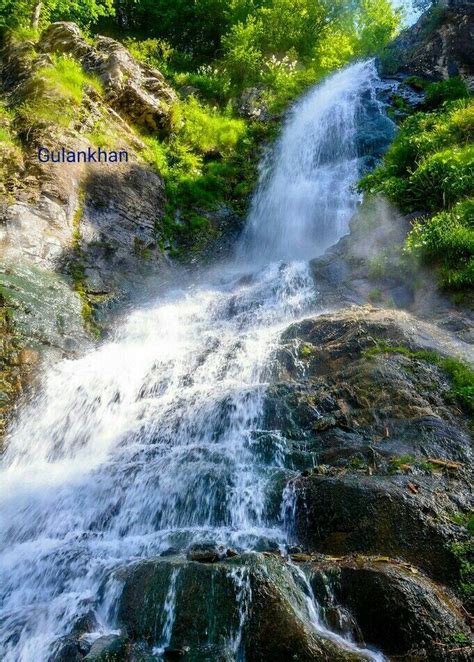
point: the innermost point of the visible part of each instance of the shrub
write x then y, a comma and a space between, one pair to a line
430, 169
206, 129
212, 82
155, 52
60, 91
441, 179
446, 90
448, 238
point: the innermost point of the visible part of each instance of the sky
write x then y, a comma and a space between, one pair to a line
411, 14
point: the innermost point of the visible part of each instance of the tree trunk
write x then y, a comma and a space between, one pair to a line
38, 6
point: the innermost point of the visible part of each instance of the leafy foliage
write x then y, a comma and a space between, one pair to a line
429, 170
449, 238
19, 13
206, 162
446, 90
212, 50
59, 92
282, 44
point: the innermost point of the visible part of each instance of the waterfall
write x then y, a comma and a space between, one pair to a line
152, 441
305, 198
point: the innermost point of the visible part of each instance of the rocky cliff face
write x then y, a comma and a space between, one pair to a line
76, 236
439, 46
109, 210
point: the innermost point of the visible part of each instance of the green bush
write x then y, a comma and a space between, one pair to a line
206, 129
447, 239
212, 82
446, 90
155, 52
205, 163
441, 179
60, 90
430, 169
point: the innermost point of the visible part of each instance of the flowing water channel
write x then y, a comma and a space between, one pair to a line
150, 442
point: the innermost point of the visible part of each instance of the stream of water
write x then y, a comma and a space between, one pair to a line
148, 442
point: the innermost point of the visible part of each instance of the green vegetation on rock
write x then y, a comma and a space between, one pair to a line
429, 171
234, 73
464, 552
10, 151
77, 271
459, 372
59, 93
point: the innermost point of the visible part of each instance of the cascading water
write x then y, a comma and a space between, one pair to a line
150, 442
305, 199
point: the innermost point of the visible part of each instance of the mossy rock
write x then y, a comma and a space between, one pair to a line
252, 604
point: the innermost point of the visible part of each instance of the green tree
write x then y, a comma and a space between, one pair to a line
37, 13
377, 23
192, 26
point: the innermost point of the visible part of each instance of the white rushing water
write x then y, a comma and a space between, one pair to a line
149, 442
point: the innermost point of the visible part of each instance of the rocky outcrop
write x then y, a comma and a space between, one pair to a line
17, 366
355, 513
439, 46
331, 372
256, 605
135, 90
251, 603
77, 237
369, 266
392, 606
111, 210
252, 104
383, 448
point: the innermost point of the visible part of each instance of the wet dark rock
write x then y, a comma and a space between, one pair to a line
86, 623
395, 608
375, 133
71, 649
380, 515
109, 648
209, 599
175, 653
335, 401
402, 95
204, 553
383, 449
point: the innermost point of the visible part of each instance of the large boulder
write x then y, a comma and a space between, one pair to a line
79, 237
397, 516
335, 392
383, 447
391, 606
253, 603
